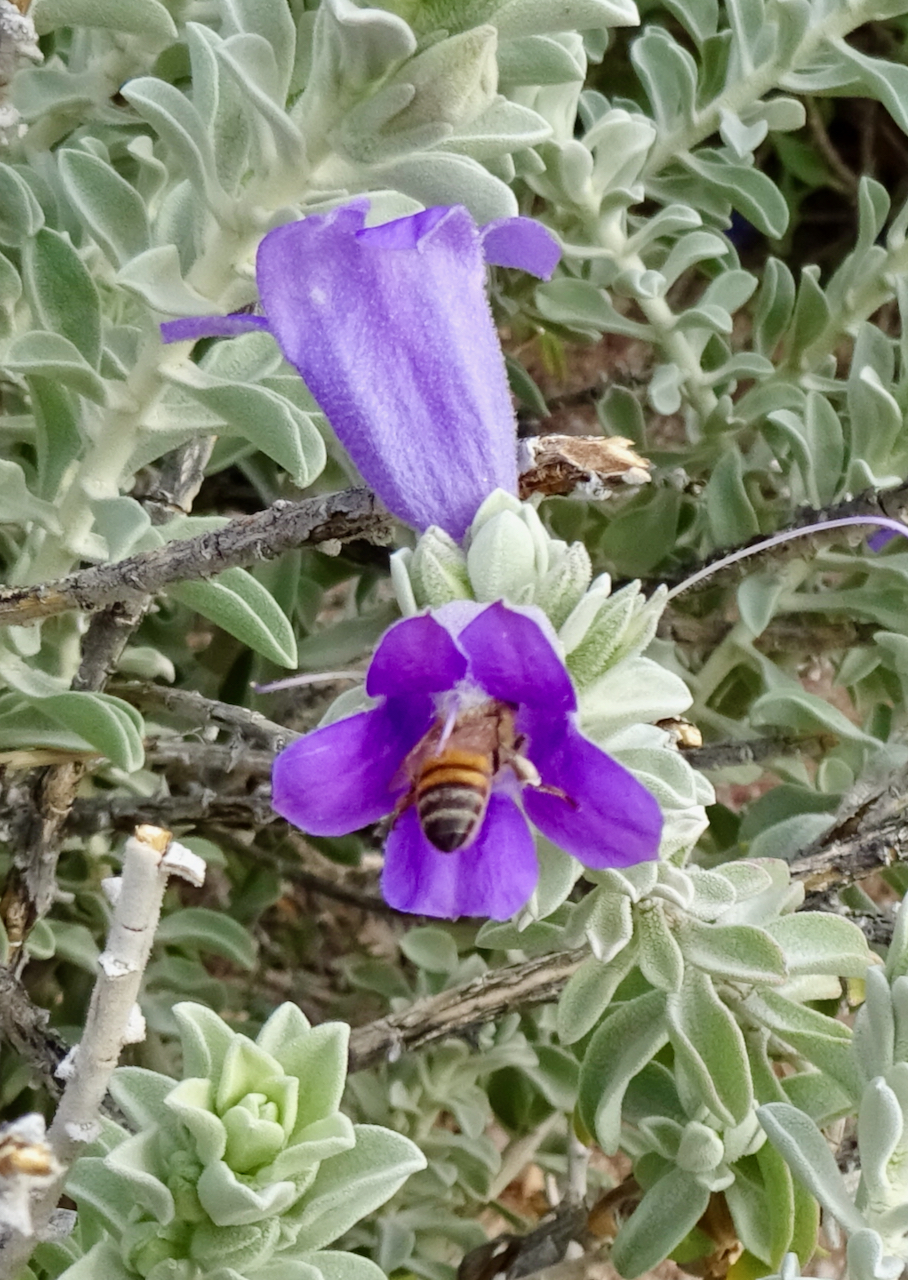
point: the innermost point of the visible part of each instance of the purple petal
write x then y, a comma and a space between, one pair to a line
415, 656
608, 819
513, 659
339, 778
523, 243
210, 327
391, 329
877, 541
494, 876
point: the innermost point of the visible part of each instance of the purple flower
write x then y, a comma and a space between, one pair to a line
391, 329
475, 734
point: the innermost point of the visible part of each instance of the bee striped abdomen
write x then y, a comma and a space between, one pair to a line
452, 794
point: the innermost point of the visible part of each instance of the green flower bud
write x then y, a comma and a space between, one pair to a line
438, 570
563, 587
501, 560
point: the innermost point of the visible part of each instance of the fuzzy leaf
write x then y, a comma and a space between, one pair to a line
239, 603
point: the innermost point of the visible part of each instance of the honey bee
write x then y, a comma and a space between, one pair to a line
452, 768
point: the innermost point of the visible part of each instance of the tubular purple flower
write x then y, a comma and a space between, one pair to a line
391, 329
474, 736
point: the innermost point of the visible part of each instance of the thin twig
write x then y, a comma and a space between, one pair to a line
725, 755
454, 1012
198, 711
353, 513
113, 1020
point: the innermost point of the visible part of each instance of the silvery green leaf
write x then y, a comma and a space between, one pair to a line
631, 1035
897, 955
765, 891
147, 18
746, 1199
696, 246
156, 276
669, 76
880, 1126
503, 127
812, 311
19, 504
106, 724
178, 124
537, 60
821, 1040
53, 356
804, 713
664, 392
62, 293
558, 873
807, 1152
731, 514
816, 942
706, 318
437, 178
708, 1040
501, 560
91, 1183
875, 420
620, 144
273, 23
608, 925
430, 948
757, 597
122, 523
222, 107
738, 952
111, 210
238, 603
743, 139
582, 306
820, 1097
639, 283
668, 1211
659, 957
202, 929
700, 1150
250, 61
352, 1184
745, 878
140, 1094
332, 1264
352, 48
867, 1259
900, 1010
632, 691
748, 190
537, 17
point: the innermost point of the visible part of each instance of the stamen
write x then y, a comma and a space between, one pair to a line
312, 677
787, 535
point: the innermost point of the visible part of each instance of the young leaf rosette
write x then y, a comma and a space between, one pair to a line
245, 1169
435, 678
391, 329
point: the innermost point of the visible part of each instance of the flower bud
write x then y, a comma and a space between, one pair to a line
501, 560
563, 587
438, 570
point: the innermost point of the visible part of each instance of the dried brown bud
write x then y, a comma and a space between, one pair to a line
596, 465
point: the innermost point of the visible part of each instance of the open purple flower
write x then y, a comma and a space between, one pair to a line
474, 735
391, 330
